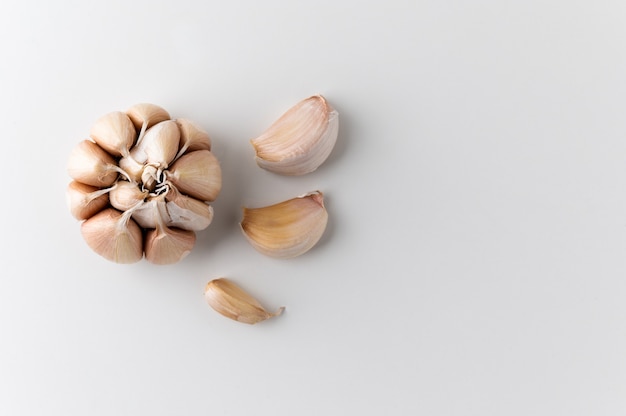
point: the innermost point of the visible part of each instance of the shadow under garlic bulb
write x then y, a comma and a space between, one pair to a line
142, 185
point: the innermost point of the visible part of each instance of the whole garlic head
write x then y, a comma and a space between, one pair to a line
142, 184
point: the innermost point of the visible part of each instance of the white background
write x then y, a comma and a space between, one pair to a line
474, 263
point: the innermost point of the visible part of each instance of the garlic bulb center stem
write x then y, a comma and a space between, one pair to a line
154, 180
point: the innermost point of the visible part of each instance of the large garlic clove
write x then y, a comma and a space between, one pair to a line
166, 245
186, 212
84, 201
159, 145
192, 137
300, 140
91, 165
115, 133
146, 115
197, 174
287, 229
126, 195
233, 302
114, 236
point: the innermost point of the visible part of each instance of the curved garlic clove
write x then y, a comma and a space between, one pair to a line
84, 201
287, 229
115, 133
233, 302
186, 212
91, 165
300, 140
197, 174
166, 245
192, 137
126, 195
159, 145
146, 115
114, 236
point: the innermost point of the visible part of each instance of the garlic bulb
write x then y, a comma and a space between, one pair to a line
300, 140
140, 188
287, 229
233, 302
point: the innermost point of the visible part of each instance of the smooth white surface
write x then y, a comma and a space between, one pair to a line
475, 259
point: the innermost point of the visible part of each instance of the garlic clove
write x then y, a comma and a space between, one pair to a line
192, 138
146, 115
287, 229
91, 165
126, 195
197, 174
159, 145
132, 168
84, 201
233, 302
114, 236
115, 133
147, 214
300, 140
166, 245
186, 212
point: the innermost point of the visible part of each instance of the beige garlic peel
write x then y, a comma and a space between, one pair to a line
287, 229
300, 140
138, 187
233, 302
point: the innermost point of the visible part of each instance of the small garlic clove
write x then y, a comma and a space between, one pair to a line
147, 214
197, 174
115, 133
146, 115
287, 229
300, 140
233, 302
132, 168
84, 201
91, 165
114, 236
186, 212
159, 145
166, 245
192, 137
126, 195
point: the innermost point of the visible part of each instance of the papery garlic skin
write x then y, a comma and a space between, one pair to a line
287, 229
233, 302
300, 140
143, 184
